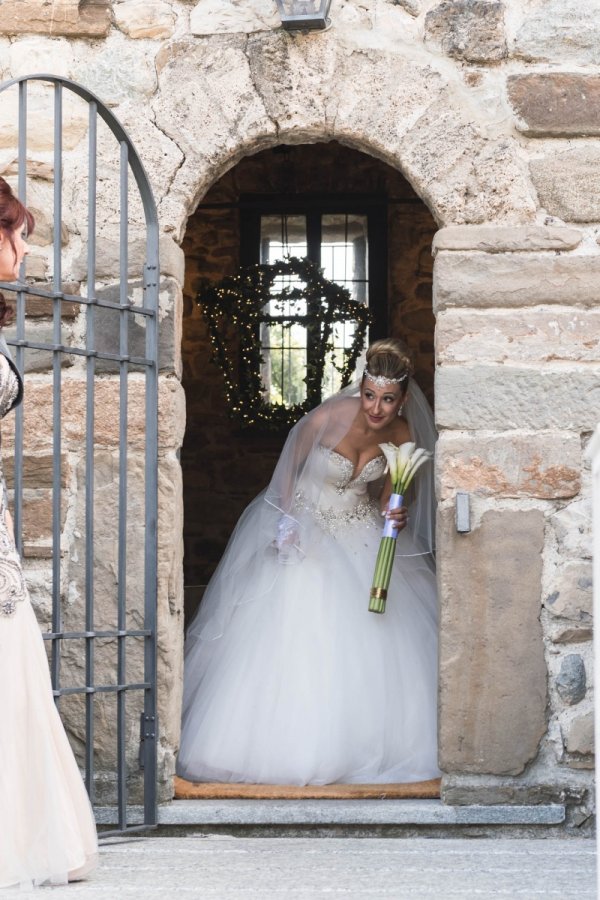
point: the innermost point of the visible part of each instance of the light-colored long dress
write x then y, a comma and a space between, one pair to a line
47, 830
305, 685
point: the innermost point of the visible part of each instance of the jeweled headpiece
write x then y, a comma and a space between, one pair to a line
381, 380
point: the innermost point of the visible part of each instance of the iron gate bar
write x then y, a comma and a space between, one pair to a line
122, 546
103, 689
56, 385
20, 355
78, 351
128, 159
49, 635
89, 450
76, 299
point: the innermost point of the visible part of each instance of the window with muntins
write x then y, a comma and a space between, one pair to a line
347, 241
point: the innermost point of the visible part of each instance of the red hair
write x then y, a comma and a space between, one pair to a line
12, 216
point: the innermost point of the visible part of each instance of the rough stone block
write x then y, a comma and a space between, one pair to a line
230, 17
514, 279
219, 105
107, 326
559, 633
472, 30
37, 426
534, 335
501, 398
567, 183
579, 737
559, 31
571, 593
573, 530
37, 514
36, 168
37, 470
40, 110
412, 7
384, 81
123, 71
483, 790
72, 18
40, 54
571, 680
492, 670
435, 153
172, 258
145, 18
544, 465
556, 103
108, 259
505, 238
35, 359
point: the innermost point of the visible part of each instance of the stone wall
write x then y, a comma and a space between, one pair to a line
489, 109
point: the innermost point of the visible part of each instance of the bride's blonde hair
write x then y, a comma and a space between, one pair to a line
390, 358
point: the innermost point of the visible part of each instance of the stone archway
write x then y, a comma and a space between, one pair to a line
243, 95
224, 98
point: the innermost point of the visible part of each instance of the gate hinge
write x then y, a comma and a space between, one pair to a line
148, 731
150, 276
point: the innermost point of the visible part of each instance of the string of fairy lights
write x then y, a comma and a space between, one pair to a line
234, 309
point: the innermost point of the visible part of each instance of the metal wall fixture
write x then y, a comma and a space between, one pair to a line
125, 312
463, 513
304, 15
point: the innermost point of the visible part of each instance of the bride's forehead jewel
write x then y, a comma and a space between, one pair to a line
381, 380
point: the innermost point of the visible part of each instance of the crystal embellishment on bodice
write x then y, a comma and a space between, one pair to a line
369, 472
344, 499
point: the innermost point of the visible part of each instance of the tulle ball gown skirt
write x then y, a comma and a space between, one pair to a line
306, 686
47, 830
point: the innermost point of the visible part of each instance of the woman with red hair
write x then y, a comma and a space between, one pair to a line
47, 830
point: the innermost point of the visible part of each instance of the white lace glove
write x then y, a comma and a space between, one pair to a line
288, 538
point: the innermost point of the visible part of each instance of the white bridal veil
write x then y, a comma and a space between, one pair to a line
242, 576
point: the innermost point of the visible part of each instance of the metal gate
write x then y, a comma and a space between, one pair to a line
83, 367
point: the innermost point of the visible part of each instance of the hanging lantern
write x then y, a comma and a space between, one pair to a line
304, 15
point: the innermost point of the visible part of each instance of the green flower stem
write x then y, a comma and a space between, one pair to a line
383, 571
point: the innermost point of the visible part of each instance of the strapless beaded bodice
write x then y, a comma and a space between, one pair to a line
342, 498
341, 471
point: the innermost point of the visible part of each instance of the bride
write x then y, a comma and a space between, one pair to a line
289, 679
47, 829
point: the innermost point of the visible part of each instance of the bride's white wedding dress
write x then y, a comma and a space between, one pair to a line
300, 683
47, 830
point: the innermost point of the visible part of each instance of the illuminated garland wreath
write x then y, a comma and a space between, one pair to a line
235, 308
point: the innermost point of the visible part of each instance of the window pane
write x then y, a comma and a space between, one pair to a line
344, 260
282, 236
283, 343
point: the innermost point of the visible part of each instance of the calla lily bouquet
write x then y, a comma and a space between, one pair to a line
403, 463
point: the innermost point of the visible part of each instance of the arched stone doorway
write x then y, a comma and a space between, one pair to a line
216, 485
498, 262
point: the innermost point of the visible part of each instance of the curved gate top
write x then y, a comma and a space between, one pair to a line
84, 475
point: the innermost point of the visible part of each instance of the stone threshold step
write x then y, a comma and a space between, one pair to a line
338, 813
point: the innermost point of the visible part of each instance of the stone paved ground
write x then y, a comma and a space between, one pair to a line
210, 867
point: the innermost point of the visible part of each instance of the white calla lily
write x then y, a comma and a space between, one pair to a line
390, 451
419, 458
403, 462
